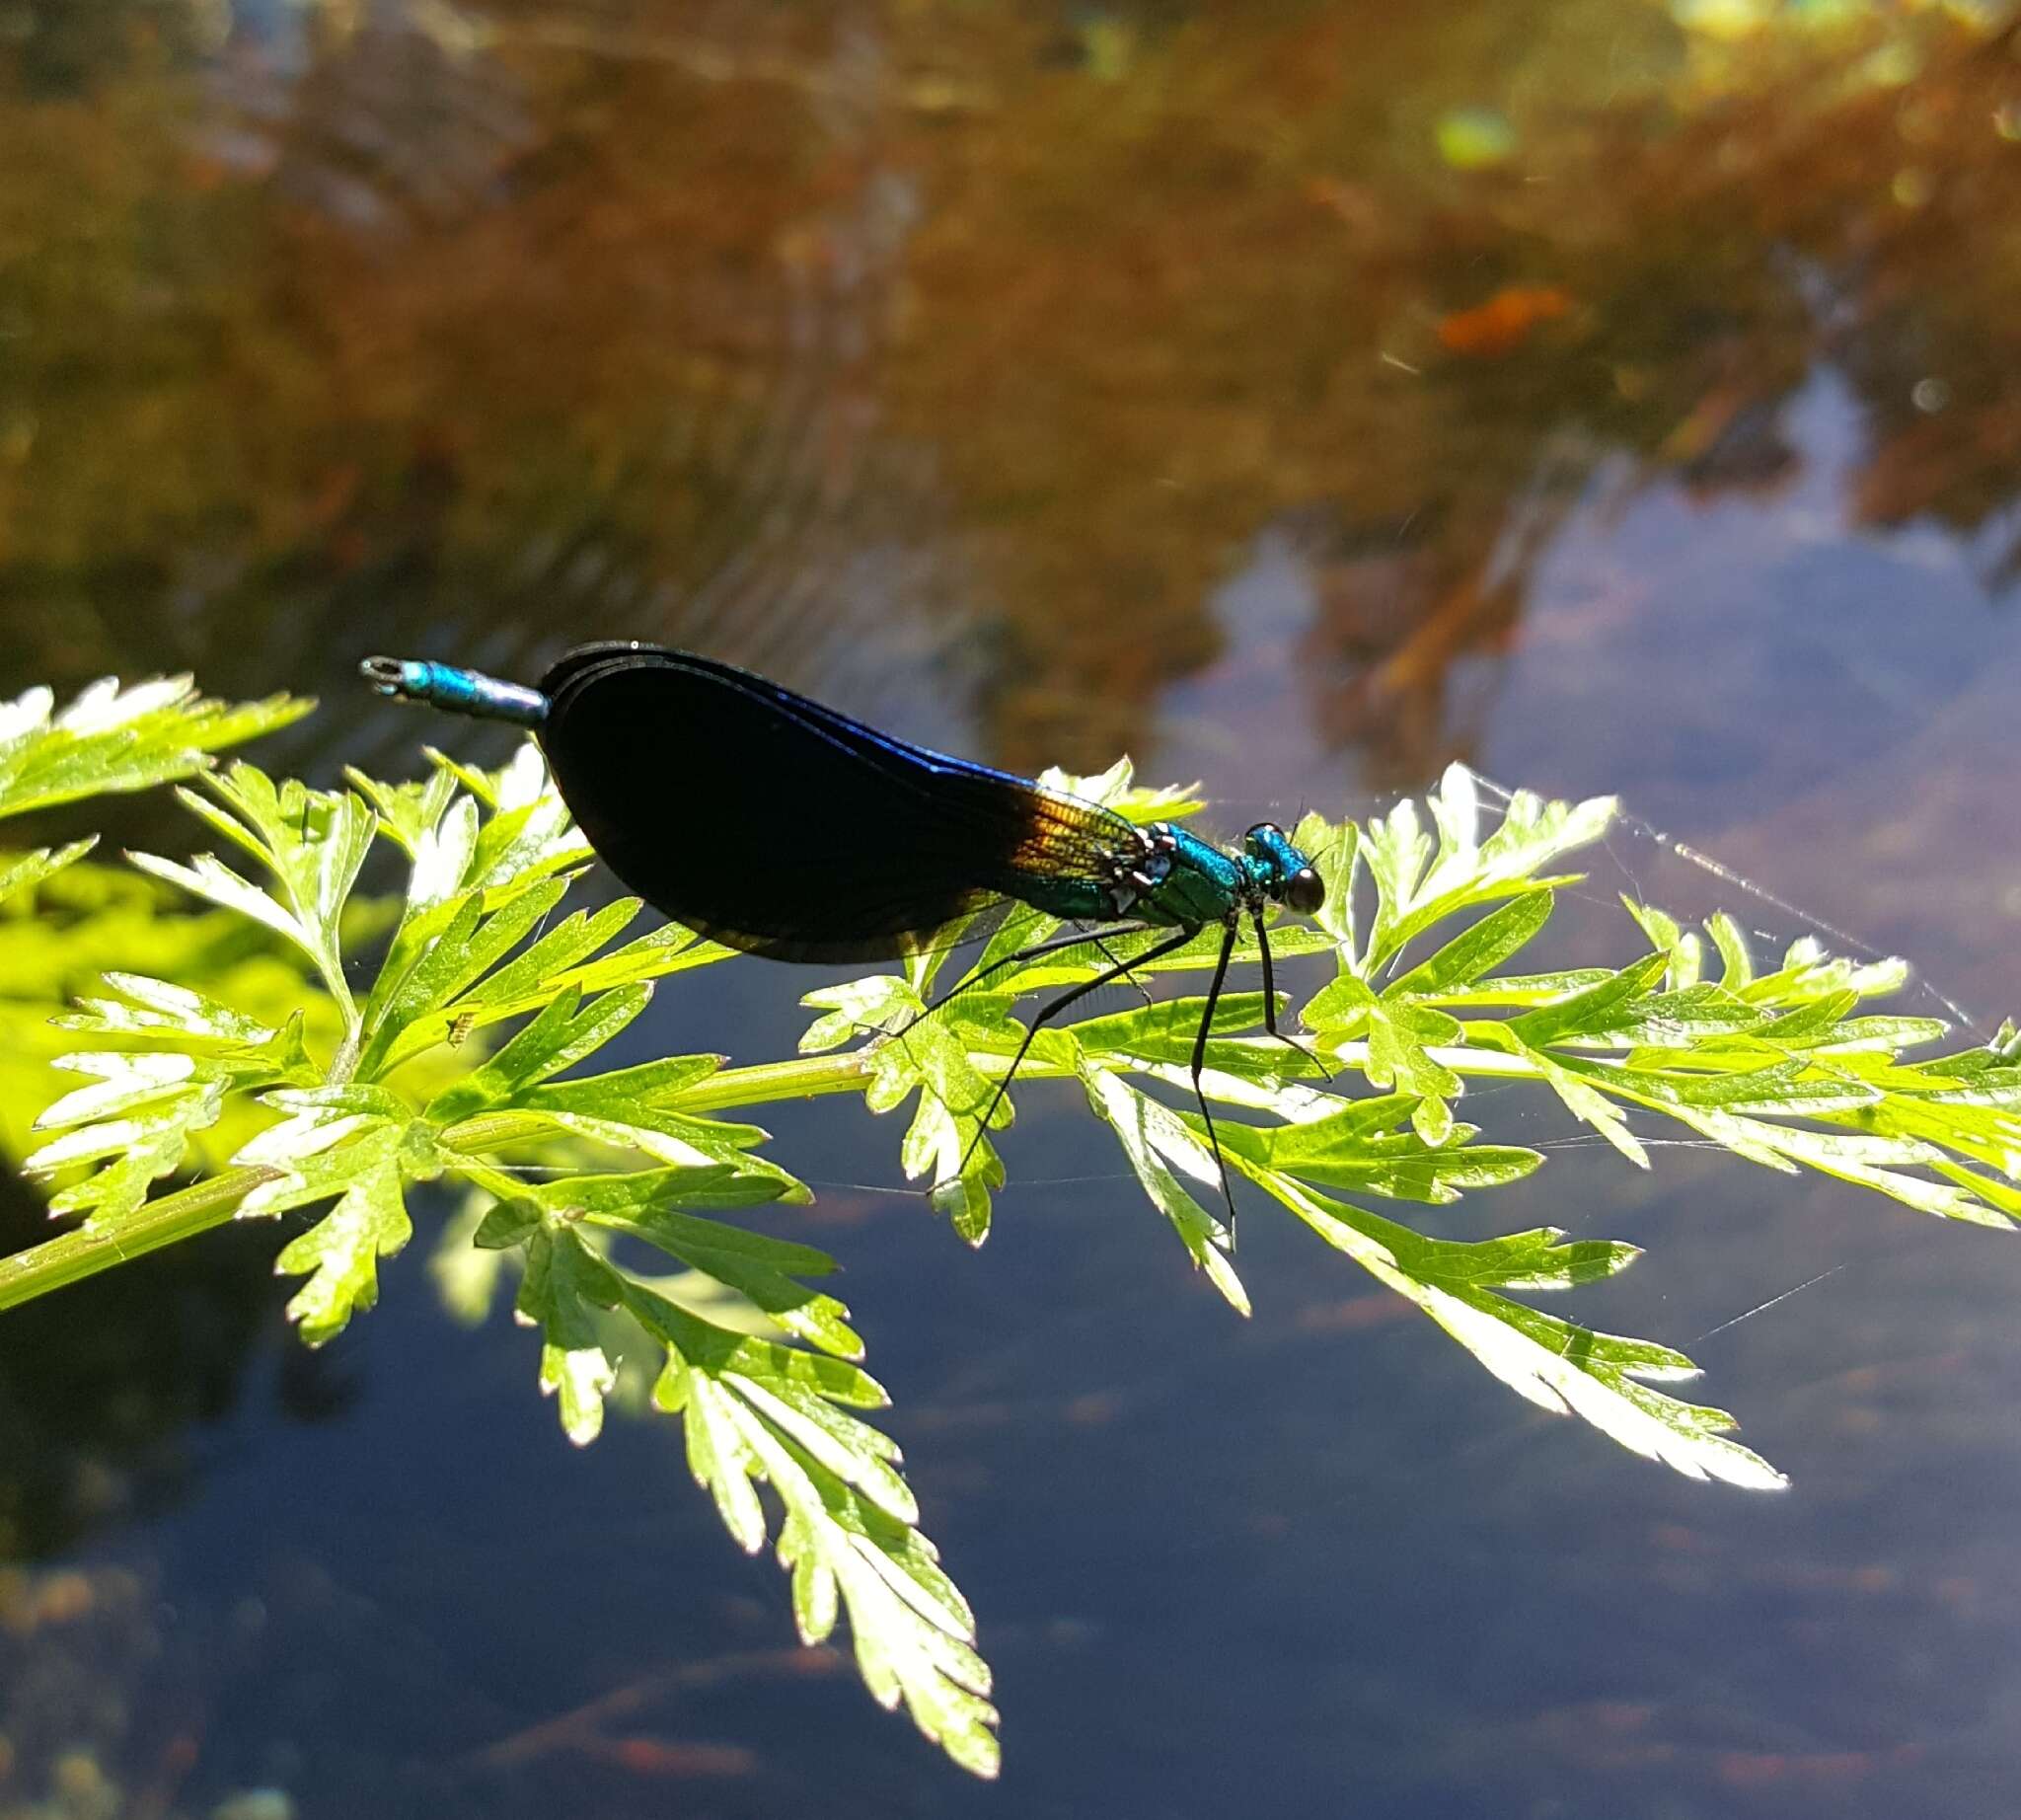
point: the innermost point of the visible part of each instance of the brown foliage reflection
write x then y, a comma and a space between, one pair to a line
837, 336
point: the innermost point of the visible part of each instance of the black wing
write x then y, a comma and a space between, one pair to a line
785, 828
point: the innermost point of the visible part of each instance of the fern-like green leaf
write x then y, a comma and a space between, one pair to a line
1565, 1369
22, 872
121, 740
754, 1415
455, 1038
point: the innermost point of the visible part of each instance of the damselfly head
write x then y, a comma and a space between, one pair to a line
1288, 876
1304, 891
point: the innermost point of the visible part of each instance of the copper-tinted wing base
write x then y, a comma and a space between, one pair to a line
785, 828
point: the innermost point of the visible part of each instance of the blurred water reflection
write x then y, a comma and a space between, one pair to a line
1298, 395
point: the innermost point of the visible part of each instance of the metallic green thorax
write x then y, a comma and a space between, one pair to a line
1174, 880
1203, 885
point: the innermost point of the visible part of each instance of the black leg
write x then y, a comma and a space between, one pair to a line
1073, 938
1123, 967
1051, 944
1070, 938
1228, 947
1270, 1004
1059, 1005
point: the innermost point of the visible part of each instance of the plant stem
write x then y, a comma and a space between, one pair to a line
807, 1077
803, 1077
72, 1257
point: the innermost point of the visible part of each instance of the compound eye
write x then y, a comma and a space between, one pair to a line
1305, 891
